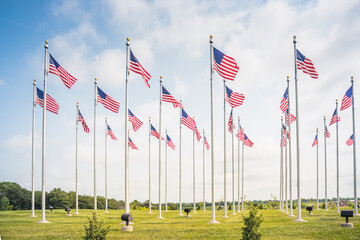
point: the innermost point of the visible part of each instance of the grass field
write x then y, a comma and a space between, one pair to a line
276, 225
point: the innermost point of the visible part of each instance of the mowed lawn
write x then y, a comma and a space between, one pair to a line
276, 225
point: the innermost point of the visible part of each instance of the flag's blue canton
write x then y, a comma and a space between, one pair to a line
286, 93
168, 138
300, 56
130, 113
53, 61
349, 92
40, 93
108, 127
152, 128
164, 91
228, 92
218, 56
132, 57
184, 114
101, 93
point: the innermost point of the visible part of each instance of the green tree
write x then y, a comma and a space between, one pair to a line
58, 198
95, 230
19, 197
250, 231
4, 202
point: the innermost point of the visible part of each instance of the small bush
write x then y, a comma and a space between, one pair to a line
95, 230
250, 231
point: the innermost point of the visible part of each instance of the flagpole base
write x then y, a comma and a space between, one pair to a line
225, 216
291, 216
300, 220
33, 216
180, 214
213, 222
150, 212
77, 213
44, 221
160, 218
233, 214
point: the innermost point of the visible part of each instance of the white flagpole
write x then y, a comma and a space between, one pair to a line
317, 170
233, 168
337, 160
95, 106
239, 167
242, 177
44, 139
326, 200
354, 148
76, 161
286, 171
33, 154
180, 203
194, 169
149, 166
166, 209
126, 128
225, 199
160, 217
106, 197
297, 139
290, 169
204, 171
212, 136
281, 170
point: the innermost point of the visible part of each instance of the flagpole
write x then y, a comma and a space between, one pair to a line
286, 171
242, 177
76, 161
337, 160
297, 139
160, 217
33, 154
194, 169
225, 199
204, 171
326, 200
317, 170
95, 106
281, 169
106, 198
180, 203
233, 168
149, 166
239, 166
212, 135
290, 169
166, 178
126, 128
354, 148
44, 138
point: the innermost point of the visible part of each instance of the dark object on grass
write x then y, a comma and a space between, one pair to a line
309, 208
347, 214
67, 209
51, 208
187, 210
127, 217
109, 207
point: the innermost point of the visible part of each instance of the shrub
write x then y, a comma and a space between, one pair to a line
250, 231
96, 230
200, 206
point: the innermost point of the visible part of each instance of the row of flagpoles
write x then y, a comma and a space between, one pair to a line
227, 68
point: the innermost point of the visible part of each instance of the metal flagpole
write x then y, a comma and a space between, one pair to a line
233, 169
286, 171
44, 138
290, 169
337, 160
317, 170
194, 169
242, 177
33, 154
166, 178
160, 217
149, 166
95, 105
326, 200
126, 128
239, 166
212, 135
76, 161
225, 199
204, 171
354, 148
106, 198
281, 170
297, 139
180, 203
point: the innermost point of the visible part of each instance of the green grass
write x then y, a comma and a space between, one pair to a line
276, 225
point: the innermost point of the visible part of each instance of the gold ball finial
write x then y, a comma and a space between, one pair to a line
336, 100
324, 117
105, 118
77, 103
34, 80
281, 117
128, 39
95, 79
160, 77
211, 36
46, 41
180, 101
352, 77
149, 118
294, 37
287, 77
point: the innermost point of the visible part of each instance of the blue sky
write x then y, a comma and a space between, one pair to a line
171, 39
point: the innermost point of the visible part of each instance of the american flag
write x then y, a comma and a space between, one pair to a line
230, 123
240, 134
225, 65
350, 141
187, 120
135, 121
132, 144
55, 68
347, 99
285, 132
155, 133
167, 97
327, 133
315, 141
82, 120
283, 141
233, 98
107, 101
51, 104
292, 117
305, 64
248, 142
170, 142
333, 118
206, 143
110, 133
198, 135
136, 67
284, 104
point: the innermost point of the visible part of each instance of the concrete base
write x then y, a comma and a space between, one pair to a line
310, 214
233, 214
291, 216
69, 215
150, 212
347, 225
77, 213
187, 216
44, 222
300, 220
194, 212
127, 228
215, 222
181, 214
225, 216
160, 218
32, 216
106, 211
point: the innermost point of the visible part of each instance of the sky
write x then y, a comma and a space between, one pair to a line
171, 39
